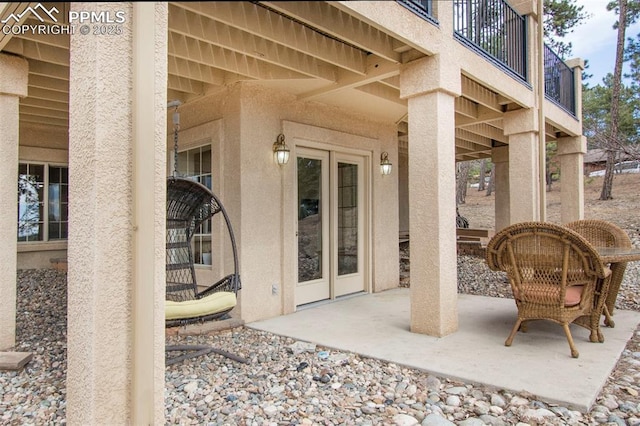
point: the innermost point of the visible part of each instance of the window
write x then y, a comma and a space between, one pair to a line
196, 164
43, 202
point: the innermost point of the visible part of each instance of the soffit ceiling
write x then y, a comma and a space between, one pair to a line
311, 49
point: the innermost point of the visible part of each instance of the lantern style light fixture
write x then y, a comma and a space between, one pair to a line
385, 164
281, 150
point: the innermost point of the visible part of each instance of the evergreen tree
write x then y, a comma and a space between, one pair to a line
560, 18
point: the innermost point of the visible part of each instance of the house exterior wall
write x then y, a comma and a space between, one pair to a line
116, 242
39, 144
268, 212
13, 85
257, 193
432, 39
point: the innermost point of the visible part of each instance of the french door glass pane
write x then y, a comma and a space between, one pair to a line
347, 218
309, 219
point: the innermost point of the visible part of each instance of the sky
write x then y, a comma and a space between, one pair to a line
595, 39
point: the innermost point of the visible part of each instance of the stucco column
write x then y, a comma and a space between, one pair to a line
13, 85
431, 84
577, 65
116, 248
571, 151
500, 159
524, 191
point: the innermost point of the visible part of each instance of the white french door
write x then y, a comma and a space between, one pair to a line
331, 237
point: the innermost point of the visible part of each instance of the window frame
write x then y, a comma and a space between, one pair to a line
45, 222
199, 238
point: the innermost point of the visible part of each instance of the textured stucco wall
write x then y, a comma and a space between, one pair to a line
103, 383
149, 386
500, 158
268, 231
100, 234
431, 85
571, 151
39, 259
432, 230
256, 192
13, 85
524, 186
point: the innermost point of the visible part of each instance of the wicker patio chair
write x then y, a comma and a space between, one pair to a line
190, 204
553, 273
601, 233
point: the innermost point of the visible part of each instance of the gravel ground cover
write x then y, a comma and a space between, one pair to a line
289, 382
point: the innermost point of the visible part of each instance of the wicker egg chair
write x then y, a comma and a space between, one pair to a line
189, 204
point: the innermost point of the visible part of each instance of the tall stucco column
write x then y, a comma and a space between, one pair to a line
577, 65
524, 190
13, 85
571, 151
500, 159
116, 248
431, 85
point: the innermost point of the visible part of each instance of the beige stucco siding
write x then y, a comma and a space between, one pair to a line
257, 193
267, 191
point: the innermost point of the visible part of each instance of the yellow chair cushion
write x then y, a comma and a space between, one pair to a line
216, 302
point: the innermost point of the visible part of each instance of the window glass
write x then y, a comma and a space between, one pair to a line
42, 202
196, 164
58, 202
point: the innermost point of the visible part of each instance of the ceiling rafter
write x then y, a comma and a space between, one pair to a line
212, 44
195, 71
377, 69
34, 50
37, 67
482, 115
45, 103
488, 131
54, 40
465, 107
26, 118
47, 95
206, 30
481, 95
382, 91
217, 57
46, 82
183, 84
474, 138
340, 25
259, 21
44, 112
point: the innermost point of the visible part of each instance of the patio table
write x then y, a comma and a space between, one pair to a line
616, 257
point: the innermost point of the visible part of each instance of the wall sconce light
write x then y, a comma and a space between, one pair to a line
385, 164
281, 150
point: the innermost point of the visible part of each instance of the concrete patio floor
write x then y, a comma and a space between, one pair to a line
538, 362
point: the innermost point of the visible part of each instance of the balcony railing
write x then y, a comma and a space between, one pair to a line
558, 81
495, 30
